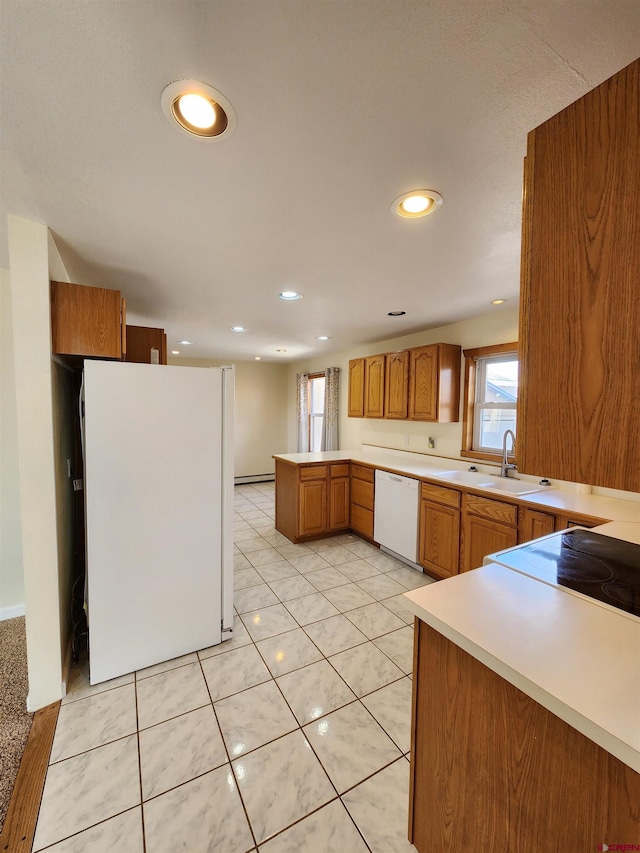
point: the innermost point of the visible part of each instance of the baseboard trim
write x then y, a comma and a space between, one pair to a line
11, 612
254, 478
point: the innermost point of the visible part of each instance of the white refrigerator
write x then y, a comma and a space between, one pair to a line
158, 480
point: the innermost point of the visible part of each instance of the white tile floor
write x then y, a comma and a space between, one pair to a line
291, 738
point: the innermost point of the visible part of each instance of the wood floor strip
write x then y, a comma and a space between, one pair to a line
20, 824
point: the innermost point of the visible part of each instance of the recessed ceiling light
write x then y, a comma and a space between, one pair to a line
238, 329
258, 357
198, 109
289, 295
396, 313
175, 352
185, 343
416, 203
323, 338
498, 301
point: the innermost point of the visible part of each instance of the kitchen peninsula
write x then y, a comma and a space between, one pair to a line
526, 715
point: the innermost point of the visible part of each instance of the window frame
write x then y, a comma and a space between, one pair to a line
469, 396
313, 415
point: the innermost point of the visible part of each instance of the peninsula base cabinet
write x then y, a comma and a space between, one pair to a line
493, 770
311, 500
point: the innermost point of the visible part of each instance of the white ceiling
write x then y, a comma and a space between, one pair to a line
342, 105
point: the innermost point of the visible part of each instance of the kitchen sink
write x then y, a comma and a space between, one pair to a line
466, 478
505, 485
513, 487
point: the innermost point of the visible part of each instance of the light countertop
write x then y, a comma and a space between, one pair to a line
578, 660
421, 466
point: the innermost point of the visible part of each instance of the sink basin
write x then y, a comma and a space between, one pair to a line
513, 487
466, 478
490, 483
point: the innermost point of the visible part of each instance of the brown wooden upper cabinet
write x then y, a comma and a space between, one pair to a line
434, 383
87, 321
419, 384
578, 412
146, 345
374, 386
356, 388
396, 385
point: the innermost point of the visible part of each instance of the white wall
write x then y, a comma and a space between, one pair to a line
11, 571
29, 277
498, 326
260, 412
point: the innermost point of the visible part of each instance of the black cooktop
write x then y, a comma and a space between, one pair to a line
601, 567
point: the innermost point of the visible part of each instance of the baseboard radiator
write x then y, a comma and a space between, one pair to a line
254, 478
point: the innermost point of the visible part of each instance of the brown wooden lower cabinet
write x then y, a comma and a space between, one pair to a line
492, 770
339, 501
487, 526
532, 524
311, 500
362, 500
439, 534
313, 508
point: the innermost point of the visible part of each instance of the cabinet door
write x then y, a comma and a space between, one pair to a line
480, 537
580, 300
356, 388
362, 521
85, 321
439, 538
374, 387
423, 384
533, 524
396, 385
312, 518
141, 340
339, 503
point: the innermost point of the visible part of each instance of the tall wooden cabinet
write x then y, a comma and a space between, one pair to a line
87, 321
578, 411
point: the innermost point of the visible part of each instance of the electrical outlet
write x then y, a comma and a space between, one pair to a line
431, 442
406, 440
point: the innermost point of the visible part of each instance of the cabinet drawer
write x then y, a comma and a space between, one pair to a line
362, 473
313, 472
362, 520
362, 494
341, 470
493, 510
448, 497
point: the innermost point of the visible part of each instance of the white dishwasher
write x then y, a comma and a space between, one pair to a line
395, 516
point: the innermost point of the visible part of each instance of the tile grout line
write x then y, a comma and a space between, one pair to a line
231, 768
142, 815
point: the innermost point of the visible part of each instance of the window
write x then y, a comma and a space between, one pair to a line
490, 395
316, 409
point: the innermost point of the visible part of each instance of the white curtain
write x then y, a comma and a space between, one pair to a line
302, 408
329, 439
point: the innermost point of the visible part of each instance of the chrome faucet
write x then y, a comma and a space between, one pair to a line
507, 466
